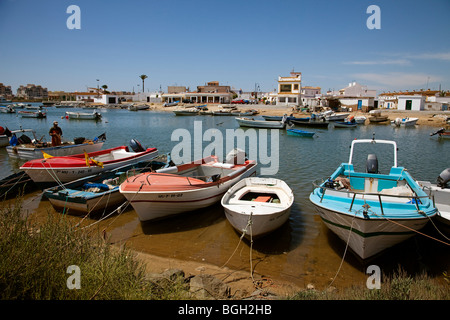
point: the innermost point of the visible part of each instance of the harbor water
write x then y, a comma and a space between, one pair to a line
303, 250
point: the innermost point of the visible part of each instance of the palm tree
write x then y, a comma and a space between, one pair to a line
104, 87
143, 77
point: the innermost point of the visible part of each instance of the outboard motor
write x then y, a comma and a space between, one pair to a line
444, 178
136, 146
372, 163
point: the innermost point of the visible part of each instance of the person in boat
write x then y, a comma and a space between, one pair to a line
56, 133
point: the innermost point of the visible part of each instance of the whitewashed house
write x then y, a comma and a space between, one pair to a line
289, 89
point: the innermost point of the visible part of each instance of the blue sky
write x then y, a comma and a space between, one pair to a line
238, 43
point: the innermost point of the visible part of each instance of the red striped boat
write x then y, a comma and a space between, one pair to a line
183, 188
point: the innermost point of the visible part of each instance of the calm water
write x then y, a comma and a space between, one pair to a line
303, 250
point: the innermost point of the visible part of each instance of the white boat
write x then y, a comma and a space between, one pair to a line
336, 116
183, 188
258, 206
138, 107
440, 194
186, 112
404, 122
252, 123
84, 115
360, 119
33, 114
7, 109
51, 171
34, 150
370, 211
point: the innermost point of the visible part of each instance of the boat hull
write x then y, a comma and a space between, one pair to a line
368, 237
260, 124
300, 133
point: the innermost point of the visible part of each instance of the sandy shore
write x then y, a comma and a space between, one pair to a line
429, 118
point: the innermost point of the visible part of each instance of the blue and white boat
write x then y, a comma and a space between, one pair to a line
97, 193
371, 211
300, 133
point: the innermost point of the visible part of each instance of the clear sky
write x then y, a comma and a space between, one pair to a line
238, 43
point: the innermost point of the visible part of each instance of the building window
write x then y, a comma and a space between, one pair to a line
281, 99
295, 86
285, 87
292, 100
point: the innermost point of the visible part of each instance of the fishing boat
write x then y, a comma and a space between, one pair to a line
7, 109
440, 194
186, 112
170, 104
250, 122
83, 115
257, 206
360, 119
32, 114
138, 107
31, 107
26, 149
313, 123
16, 184
53, 170
368, 210
442, 133
186, 187
289, 118
300, 133
222, 112
376, 117
345, 124
336, 116
404, 122
97, 193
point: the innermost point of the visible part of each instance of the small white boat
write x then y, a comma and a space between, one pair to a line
6, 136
84, 115
336, 116
258, 206
138, 107
31, 114
183, 188
252, 123
440, 194
404, 122
186, 112
360, 119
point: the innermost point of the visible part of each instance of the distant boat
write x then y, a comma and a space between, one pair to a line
138, 107
300, 133
443, 134
4, 101
336, 116
186, 112
311, 123
289, 118
170, 104
376, 117
252, 123
31, 107
84, 115
404, 122
360, 119
7, 109
345, 124
33, 114
6, 136
257, 206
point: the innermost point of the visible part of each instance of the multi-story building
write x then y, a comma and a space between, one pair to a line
212, 92
5, 91
31, 91
289, 89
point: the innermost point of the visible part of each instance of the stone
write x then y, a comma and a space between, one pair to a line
205, 286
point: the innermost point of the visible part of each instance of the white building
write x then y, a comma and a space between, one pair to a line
289, 89
410, 102
355, 89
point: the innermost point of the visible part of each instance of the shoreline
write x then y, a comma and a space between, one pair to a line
429, 118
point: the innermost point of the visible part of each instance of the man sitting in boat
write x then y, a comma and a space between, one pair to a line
56, 133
